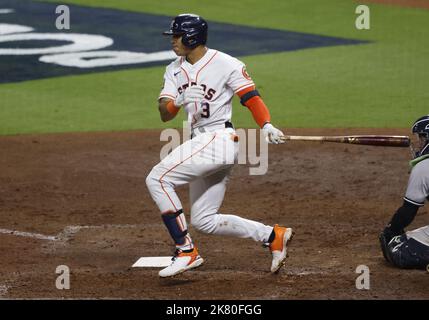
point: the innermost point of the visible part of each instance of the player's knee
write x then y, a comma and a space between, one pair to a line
205, 225
152, 180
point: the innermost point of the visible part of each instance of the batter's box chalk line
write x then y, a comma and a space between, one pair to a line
27, 234
67, 233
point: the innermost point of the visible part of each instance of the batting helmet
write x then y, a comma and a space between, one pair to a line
191, 27
421, 128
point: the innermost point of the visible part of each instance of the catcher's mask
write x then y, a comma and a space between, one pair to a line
421, 129
191, 27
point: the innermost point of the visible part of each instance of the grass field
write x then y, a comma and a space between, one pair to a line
380, 84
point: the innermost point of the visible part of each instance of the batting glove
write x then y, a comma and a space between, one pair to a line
272, 134
190, 95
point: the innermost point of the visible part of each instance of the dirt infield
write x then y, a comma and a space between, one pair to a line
80, 200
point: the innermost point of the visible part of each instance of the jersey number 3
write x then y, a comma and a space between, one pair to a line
205, 110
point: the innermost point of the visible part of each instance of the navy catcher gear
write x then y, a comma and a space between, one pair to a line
408, 253
191, 27
421, 128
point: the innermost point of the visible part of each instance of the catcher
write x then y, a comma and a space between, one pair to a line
411, 249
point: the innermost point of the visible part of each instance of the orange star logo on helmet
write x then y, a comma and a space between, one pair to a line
245, 74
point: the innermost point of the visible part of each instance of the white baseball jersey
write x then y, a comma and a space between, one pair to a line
219, 74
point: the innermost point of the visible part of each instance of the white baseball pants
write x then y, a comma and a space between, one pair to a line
205, 163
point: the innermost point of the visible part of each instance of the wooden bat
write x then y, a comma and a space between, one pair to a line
373, 140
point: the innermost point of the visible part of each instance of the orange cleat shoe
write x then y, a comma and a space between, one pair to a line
279, 247
181, 262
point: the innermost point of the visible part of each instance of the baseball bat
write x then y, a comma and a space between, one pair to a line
373, 140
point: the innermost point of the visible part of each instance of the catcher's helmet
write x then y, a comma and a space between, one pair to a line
421, 128
191, 27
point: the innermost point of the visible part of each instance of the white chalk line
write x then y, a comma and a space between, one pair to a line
66, 234
70, 231
27, 234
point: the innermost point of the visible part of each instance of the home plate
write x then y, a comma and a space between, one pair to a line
153, 262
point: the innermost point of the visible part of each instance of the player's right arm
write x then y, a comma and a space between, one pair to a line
167, 109
170, 101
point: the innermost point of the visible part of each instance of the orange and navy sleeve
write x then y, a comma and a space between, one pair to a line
250, 98
242, 85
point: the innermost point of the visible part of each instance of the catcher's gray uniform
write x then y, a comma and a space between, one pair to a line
418, 184
411, 249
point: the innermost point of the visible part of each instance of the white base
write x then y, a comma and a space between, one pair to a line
152, 262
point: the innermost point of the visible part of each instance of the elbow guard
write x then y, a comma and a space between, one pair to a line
249, 95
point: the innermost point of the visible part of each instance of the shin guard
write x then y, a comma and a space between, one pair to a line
177, 227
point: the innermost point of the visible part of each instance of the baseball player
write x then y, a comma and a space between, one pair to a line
411, 249
203, 82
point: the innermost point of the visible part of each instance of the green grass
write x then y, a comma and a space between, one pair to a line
381, 84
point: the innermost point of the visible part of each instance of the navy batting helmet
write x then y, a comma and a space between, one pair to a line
421, 128
191, 27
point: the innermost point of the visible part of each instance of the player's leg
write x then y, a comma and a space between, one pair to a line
164, 194
207, 194
175, 170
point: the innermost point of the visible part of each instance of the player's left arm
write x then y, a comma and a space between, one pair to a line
417, 192
250, 98
242, 85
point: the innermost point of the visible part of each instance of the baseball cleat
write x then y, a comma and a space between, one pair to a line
279, 247
181, 262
